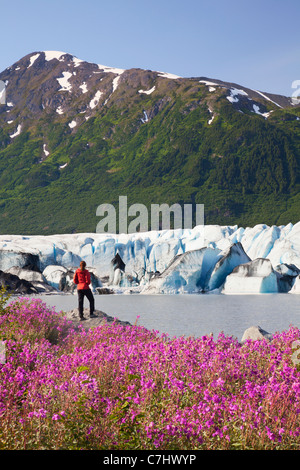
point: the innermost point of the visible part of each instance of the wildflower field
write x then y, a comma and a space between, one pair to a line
127, 388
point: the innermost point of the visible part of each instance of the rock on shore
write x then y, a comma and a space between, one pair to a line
100, 318
256, 333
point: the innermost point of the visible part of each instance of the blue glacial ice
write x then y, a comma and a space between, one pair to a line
201, 259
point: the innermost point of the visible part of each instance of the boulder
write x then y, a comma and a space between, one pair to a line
256, 333
104, 291
100, 318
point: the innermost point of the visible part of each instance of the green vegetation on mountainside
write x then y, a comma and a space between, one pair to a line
244, 168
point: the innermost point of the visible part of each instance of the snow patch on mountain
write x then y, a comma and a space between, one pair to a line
18, 132
257, 111
146, 119
147, 92
64, 82
208, 83
72, 124
33, 59
2, 96
59, 110
267, 98
233, 98
116, 83
171, 76
84, 87
106, 69
45, 150
50, 55
77, 61
95, 100
212, 117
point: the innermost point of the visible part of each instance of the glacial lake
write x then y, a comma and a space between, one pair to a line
195, 315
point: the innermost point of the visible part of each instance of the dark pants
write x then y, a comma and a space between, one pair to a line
88, 293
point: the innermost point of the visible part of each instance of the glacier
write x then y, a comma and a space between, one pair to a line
256, 276
207, 258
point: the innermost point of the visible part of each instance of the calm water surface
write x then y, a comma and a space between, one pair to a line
195, 315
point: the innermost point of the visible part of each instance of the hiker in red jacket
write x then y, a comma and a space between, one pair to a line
82, 278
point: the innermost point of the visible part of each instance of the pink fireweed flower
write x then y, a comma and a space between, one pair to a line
270, 434
189, 387
55, 417
42, 413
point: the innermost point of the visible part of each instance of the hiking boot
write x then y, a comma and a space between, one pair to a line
93, 316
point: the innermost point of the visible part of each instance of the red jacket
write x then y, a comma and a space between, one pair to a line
82, 279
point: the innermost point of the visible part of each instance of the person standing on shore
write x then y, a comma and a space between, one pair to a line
82, 279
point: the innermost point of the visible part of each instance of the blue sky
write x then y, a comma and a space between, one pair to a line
252, 43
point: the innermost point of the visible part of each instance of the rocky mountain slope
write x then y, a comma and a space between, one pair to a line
74, 135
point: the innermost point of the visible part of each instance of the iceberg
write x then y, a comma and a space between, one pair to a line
187, 273
232, 257
27, 274
296, 287
254, 277
56, 276
17, 256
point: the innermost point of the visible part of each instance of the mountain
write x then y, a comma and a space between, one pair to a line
74, 135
